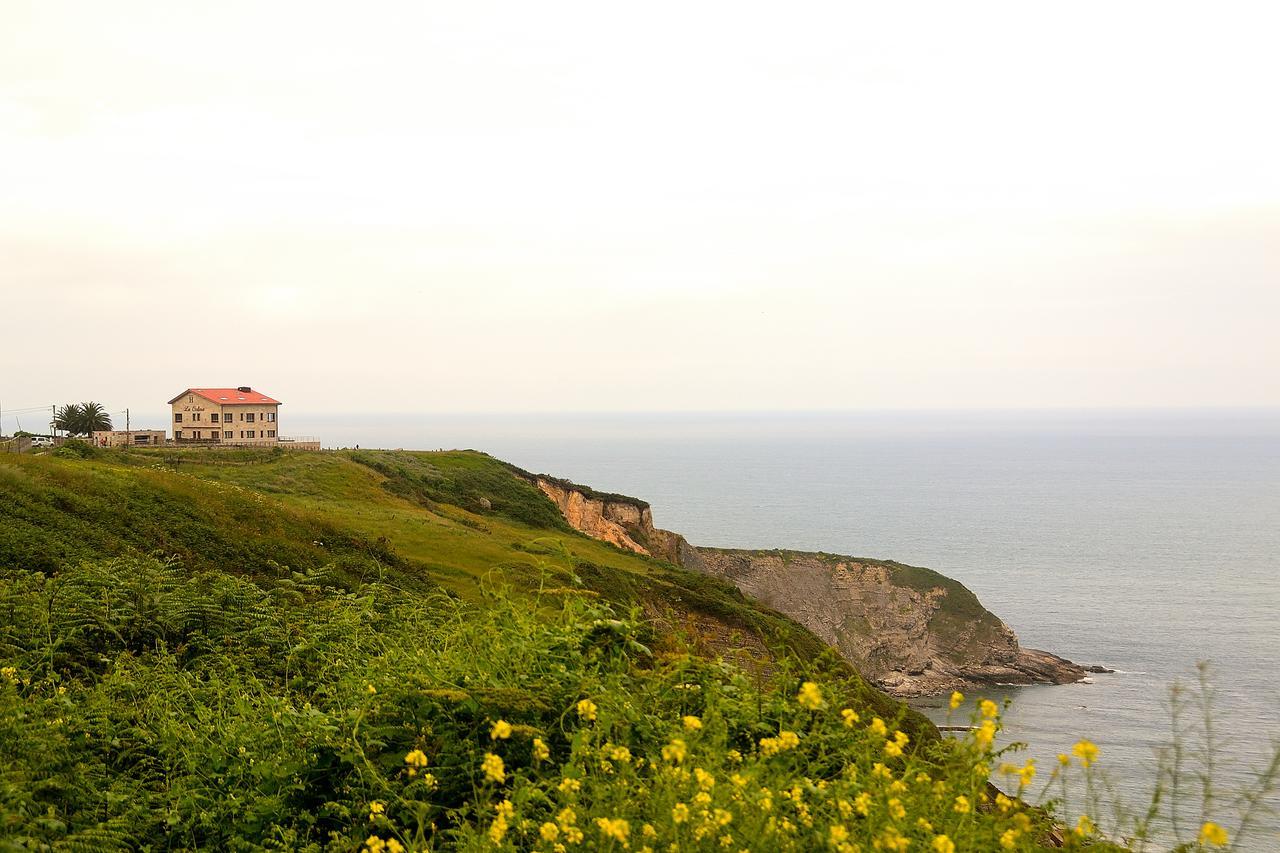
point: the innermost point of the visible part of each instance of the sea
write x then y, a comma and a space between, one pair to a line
1144, 541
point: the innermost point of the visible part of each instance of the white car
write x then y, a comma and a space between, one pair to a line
41, 441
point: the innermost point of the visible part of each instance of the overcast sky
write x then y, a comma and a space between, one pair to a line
460, 206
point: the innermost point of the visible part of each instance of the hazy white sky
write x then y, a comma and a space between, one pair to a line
595, 206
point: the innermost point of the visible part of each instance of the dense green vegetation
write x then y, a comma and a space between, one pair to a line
147, 705
252, 650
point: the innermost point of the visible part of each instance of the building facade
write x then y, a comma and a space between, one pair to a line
225, 416
128, 438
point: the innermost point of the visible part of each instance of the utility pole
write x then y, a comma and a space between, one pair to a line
128, 439
53, 420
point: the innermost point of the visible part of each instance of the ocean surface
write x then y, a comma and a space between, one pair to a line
1147, 542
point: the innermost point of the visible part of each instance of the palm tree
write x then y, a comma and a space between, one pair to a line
81, 418
93, 417
67, 418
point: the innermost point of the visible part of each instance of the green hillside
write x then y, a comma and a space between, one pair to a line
387, 650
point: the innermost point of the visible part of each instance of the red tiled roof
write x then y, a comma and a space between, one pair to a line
228, 396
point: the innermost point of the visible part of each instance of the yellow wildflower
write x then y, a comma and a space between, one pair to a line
943, 844
862, 803
1084, 826
501, 730
962, 805
723, 818
1211, 833
984, 734
810, 696
498, 829
1009, 839
892, 749
394, 846
417, 759
878, 727
569, 785
734, 756
541, 752
1028, 772
549, 831
839, 833
880, 770
849, 716
615, 828
1003, 803
1064, 759
788, 740
893, 840
679, 813
1085, 751
706, 781
989, 709
619, 753
587, 709
675, 751
896, 810
924, 824
374, 844
493, 768
372, 690
956, 698
648, 831
376, 808
691, 722
506, 809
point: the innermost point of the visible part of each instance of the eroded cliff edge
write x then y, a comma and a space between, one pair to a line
911, 630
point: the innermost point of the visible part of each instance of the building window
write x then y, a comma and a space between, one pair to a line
226, 433
196, 435
271, 433
214, 417
249, 418
271, 416
177, 417
251, 434
195, 416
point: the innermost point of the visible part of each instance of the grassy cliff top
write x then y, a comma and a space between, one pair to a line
423, 521
391, 651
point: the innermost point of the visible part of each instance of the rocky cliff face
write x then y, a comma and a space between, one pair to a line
911, 630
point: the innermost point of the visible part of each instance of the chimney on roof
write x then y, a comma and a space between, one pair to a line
244, 389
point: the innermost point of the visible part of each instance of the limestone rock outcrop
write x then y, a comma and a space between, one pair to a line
912, 631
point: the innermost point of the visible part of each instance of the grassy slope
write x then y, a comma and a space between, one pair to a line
328, 613
399, 515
